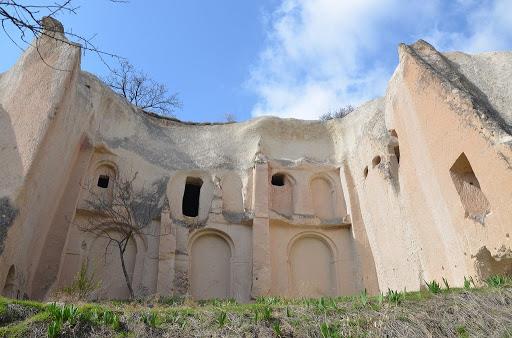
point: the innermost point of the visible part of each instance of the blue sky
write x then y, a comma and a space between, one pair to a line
290, 58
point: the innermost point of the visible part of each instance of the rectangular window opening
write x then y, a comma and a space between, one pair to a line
103, 181
277, 180
190, 205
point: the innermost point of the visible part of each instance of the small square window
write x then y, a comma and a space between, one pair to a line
278, 180
103, 181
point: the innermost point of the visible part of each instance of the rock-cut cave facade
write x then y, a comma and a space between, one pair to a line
410, 187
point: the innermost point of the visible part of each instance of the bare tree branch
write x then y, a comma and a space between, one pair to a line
120, 214
230, 117
22, 22
35, 20
142, 91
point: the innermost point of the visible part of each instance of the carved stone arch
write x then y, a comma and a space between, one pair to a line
312, 270
287, 177
324, 196
201, 232
104, 174
106, 163
282, 186
140, 240
328, 241
103, 261
210, 265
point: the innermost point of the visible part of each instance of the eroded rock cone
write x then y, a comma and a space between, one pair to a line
52, 25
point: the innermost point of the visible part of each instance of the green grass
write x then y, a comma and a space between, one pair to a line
28, 303
395, 297
221, 319
329, 330
358, 315
468, 282
3, 309
462, 332
497, 281
22, 328
433, 286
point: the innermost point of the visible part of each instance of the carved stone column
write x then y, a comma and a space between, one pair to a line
261, 271
166, 255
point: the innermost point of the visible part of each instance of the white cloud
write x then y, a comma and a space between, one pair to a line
491, 27
488, 28
323, 54
312, 57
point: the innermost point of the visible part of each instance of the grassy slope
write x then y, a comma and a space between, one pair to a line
453, 313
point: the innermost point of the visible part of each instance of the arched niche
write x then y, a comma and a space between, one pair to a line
394, 152
232, 200
282, 185
10, 289
323, 195
102, 182
104, 263
210, 265
393, 145
312, 269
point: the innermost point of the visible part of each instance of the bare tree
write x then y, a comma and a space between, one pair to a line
337, 114
22, 21
142, 91
121, 213
34, 19
230, 117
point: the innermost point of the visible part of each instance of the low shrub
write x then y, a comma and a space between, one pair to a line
395, 297
63, 313
277, 329
433, 286
54, 329
468, 282
150, 319
497, 281
83, 285
267, 313
329, 331
221, 319
109, 318
363, 297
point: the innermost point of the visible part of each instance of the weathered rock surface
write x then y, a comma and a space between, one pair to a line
407, 188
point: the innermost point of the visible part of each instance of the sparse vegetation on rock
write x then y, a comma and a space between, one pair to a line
337, 114
450, 312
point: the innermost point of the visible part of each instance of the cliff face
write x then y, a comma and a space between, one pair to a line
488, 74
408, 187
